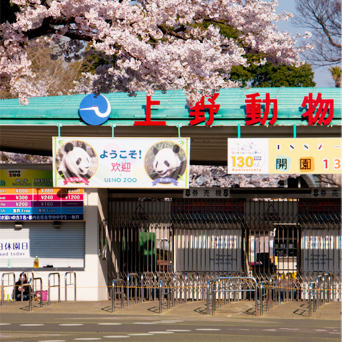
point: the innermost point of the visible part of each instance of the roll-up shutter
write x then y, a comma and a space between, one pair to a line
59, 247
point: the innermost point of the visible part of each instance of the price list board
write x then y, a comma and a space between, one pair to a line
32, 204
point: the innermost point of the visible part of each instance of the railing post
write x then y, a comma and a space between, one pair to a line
186, 289
323, 288
287, 287
214, 299
219, 293
173, 291
160, 296
267, 292
128, 290
122, 293
271, 289
256, 298
142, 289
261, 299
113, 295
136, 289
208, 298
309, 300
155, 287
30, 294
198, 289
168, 292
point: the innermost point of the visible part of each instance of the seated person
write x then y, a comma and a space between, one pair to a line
18, 285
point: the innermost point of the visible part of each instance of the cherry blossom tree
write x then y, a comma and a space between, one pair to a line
149, 45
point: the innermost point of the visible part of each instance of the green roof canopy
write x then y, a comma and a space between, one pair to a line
172, 109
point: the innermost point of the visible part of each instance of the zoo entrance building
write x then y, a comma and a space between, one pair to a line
193, 234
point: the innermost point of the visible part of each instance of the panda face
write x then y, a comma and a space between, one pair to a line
165, 162
78, 161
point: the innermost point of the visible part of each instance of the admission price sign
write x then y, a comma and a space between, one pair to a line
29, 204
284, 156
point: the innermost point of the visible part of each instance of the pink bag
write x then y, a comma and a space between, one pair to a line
44, 295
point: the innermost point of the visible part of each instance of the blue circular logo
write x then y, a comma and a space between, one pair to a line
95, 110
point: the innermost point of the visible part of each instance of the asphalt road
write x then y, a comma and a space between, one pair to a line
55, 327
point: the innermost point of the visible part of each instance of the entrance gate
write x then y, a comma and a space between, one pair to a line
209, 238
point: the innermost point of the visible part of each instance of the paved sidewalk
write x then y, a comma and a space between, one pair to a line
190, 310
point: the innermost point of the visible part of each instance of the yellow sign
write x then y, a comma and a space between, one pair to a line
305, 155
285, 156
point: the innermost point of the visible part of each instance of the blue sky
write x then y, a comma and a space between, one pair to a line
322, 75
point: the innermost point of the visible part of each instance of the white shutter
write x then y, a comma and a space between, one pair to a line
60, 247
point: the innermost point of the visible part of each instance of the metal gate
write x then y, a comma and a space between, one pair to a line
213, 237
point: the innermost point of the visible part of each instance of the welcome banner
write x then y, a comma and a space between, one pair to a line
121, 162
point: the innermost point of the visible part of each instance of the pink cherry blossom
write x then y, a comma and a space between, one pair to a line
149, 45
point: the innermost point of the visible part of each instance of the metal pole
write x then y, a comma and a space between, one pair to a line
219, 293
49, 289
160, 297
323, 292
309, 300
287, 287
168, 297
128, 290
142, 289
173, 291
198, 289
193, 288
256, 298
136, 289
261, 299
208, 299
30, 295
271, 289
155, 287
122, 294
113, 295
186, 288
267, 292
214, 299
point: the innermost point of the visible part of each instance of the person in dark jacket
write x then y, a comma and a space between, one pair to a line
22, 283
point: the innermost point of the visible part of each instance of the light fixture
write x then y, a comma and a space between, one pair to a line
18, 225
56, 224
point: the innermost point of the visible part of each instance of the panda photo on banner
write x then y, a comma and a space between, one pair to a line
165, 162
76, 162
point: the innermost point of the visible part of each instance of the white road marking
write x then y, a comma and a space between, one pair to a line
332, 332
71, 325
140, 334
160, 332
320, 329
52, 341
117, 336
31, 325
208, 329
169, 321
144, 323
178, 330
50, 334
238, 329
5, 323
269, 329
288, 329
87, 339
109, 323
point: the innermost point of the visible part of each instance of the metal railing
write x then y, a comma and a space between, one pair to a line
115, 284
54, 285
68, 284
222, 285
8, 285
32, 291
